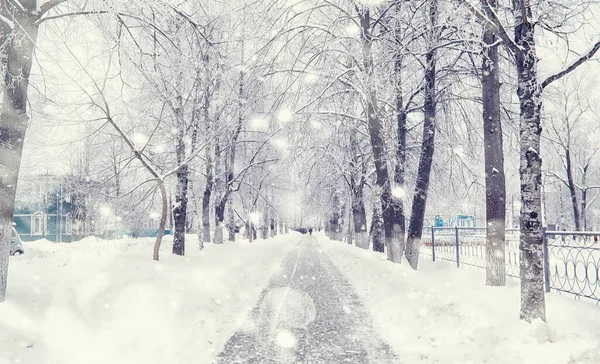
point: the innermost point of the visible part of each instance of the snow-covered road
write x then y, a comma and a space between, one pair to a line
309, 313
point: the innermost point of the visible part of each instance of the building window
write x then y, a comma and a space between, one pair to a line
37, 224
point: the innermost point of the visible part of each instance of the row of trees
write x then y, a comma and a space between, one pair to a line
236, 105
161, 97
465, 57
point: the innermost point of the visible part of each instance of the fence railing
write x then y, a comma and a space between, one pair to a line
571, 259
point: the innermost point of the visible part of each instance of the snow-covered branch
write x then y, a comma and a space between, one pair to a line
7, 21
578, 62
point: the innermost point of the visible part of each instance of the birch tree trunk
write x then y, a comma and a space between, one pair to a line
533, 304
495, 184
220, 200
210, 177
265, 226
17, 57
231, 213
197, 216
419, 202
181, 195
180, 211
334, 223
206, 205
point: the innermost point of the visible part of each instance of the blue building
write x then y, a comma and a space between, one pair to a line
43, 209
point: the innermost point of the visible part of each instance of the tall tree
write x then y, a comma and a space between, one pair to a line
391, 208
570, 132
529, 92
495, 184
18, 34
419, 202
357, 183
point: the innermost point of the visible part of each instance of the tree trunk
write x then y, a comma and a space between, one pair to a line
225, 186
219, 218
212, 173
419, 202
231, 213
357, 182
163, 219
584, 191
495, 184
272, 228
391, 209
171, 225
206, 211
249, 231
349, 219
584, 224
401, 131
359, 217
196, 212
571, 184
265, 226
377, 228
533, 305
349, 231
180, 211
334, 222
18, 56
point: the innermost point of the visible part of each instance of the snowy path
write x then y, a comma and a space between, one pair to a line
309, 313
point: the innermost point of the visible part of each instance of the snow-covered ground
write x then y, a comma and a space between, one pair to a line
107, 302
99, 301
442, 314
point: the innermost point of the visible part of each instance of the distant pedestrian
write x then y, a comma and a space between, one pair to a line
310, 231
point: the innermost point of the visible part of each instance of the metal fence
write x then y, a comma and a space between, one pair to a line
571, 259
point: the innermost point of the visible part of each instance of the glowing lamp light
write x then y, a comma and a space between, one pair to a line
352, 29
285, 115
105, 211
255, 217
398, 192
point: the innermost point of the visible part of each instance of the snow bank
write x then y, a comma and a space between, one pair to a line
442, 314
97, 301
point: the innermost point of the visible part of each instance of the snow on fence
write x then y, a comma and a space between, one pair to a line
571, 258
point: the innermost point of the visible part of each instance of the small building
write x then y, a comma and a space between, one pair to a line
43, 209
41, 225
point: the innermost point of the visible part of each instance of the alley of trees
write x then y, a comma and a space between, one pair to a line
363, 118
